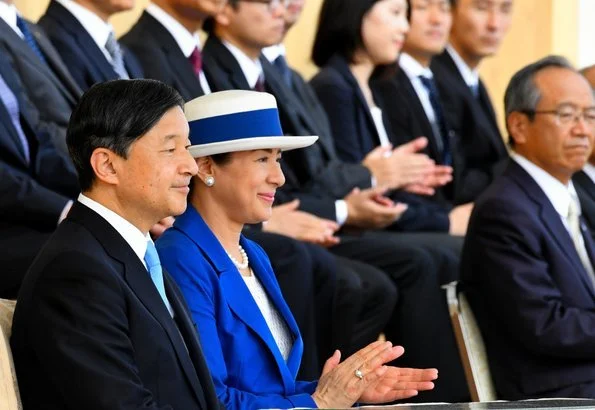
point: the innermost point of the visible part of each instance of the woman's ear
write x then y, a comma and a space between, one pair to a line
206, 167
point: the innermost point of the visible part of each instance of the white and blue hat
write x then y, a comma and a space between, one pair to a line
237, 120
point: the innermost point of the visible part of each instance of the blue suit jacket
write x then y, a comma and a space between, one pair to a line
534, 301
355, 136
246, 365
84, 59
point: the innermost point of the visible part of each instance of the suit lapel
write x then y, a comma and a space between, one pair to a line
238, 297
551, 220
221, 68
64, 18
587, 185
490, 114
139, 281
66, 83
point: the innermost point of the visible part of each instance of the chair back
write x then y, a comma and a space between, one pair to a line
471, 346
10, 398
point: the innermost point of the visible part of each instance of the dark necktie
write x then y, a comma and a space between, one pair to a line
281, 65
475, 90
259, 86
113, 48
12, 106
29, 39
196, 60
430, 85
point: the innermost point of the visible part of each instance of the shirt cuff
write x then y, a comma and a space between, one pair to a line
372, 181
341, 211
65, 211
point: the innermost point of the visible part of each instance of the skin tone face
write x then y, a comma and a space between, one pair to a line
430, 25
293, 12
383, 32
106, 8
560, 149
152, 182
478, 28
251, 26
191, 13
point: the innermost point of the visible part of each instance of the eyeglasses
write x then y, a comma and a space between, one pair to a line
272, 4
568, 114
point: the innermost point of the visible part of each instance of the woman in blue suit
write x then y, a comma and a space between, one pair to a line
250, 339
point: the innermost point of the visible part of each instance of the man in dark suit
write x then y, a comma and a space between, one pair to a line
232, 59
45, 78
477, 31
81, 33
528, 259
96, 311
37, 183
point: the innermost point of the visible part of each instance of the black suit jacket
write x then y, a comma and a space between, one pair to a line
474, 121
31, 194
90, 330
85, 60
160, 56
49, 87
533, 299
407, 120
585, 188
355, 136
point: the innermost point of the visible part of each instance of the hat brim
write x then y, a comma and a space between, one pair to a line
284, 143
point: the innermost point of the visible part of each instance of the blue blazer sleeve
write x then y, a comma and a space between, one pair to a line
220, 330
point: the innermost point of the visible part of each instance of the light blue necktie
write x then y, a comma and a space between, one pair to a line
113, 48
12, 106
154, 268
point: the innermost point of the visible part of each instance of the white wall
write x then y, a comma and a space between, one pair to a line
586, 36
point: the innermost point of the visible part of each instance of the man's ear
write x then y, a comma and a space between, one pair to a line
103, 164
222, 18
517, 123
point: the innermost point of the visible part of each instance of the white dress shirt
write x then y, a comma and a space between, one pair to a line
8, 13
558, 194
131, 234
471, 76
589, 169
186, 40
413, 69
272, 52
98, 29
252, 69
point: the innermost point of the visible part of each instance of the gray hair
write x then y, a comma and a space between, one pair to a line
522, 94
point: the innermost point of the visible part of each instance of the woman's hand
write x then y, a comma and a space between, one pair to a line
339, 386
399, 383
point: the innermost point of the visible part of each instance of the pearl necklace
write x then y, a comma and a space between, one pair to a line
244, 263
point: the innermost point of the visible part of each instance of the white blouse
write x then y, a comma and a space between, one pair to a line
271, 315
377, 117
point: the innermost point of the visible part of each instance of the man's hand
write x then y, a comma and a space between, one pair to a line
287, 220
399, 167
161, 226
371, 209
439, 176
459, 219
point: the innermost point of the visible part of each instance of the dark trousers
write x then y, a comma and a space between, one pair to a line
18, 248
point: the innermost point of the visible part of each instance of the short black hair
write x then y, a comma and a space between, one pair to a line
340, 29
113, 115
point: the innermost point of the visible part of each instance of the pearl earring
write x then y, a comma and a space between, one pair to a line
210, 180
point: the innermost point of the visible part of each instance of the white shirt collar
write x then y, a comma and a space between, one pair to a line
559, 194
590, 171
470, 76
413, 68
186, 40
98, 29
272, 52
131, 234
8, 13
252, 69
